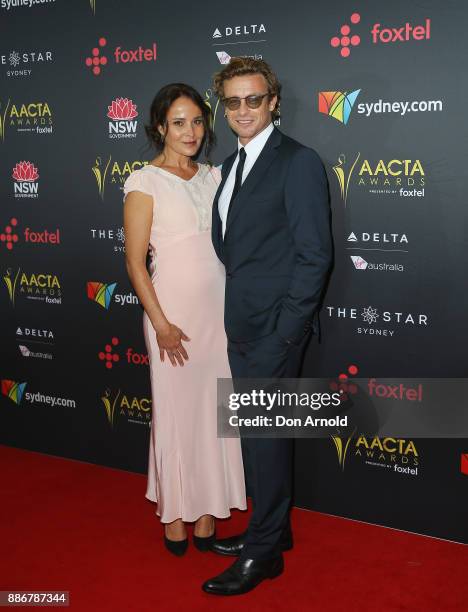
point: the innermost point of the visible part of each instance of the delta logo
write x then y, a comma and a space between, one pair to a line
122, 111
405, 178
111, 355
386, 238
101, 293
239, 30
25, 176
31, 117
37, 286
98, 60
121, 405
13, 390
347, 38
10, 236
113, 172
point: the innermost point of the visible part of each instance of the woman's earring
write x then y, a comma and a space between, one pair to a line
225, 113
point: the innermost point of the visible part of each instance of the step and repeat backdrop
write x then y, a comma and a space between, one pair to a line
377, 89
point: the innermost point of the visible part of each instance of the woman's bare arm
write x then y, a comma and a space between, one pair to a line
138, 217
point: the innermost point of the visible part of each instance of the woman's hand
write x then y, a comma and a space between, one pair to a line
170, 341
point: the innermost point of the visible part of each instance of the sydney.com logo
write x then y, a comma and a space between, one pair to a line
339, 105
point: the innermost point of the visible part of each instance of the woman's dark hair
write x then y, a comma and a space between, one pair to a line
160, 106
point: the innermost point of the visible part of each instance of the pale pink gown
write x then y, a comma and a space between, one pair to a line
191, 471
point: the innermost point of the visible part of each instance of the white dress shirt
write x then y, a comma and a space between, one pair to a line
252, 151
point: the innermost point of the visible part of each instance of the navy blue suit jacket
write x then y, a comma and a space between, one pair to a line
277, 248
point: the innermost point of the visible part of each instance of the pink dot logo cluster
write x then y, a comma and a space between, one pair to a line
8, 236
96, 61
345, 41
343, 385
108, 356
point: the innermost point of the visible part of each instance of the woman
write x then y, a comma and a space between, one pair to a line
192, 474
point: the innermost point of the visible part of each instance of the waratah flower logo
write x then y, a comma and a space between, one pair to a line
25, 171
122, 108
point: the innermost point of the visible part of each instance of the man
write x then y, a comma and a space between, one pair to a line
271, 230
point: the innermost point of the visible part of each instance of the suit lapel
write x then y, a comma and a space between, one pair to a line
267, 155
216, 220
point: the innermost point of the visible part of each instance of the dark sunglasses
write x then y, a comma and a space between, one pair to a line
251, 101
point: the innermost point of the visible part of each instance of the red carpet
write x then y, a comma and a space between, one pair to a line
87, 529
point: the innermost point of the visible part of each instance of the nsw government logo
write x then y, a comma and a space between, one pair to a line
122, 113
25, 174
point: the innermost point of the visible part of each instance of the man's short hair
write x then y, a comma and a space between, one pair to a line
240, 66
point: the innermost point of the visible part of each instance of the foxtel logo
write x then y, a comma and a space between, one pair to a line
398, 392
96, 61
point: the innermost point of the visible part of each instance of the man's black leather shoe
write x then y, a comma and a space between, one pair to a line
232, 547
243, 576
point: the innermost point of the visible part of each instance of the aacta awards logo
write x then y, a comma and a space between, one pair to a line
398, 455
25, 175
13, 390
97, 61
103, 293
37, 286
121, 112
28, 117
9, 237
125, 405
115, 173
347, 37
402, 177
